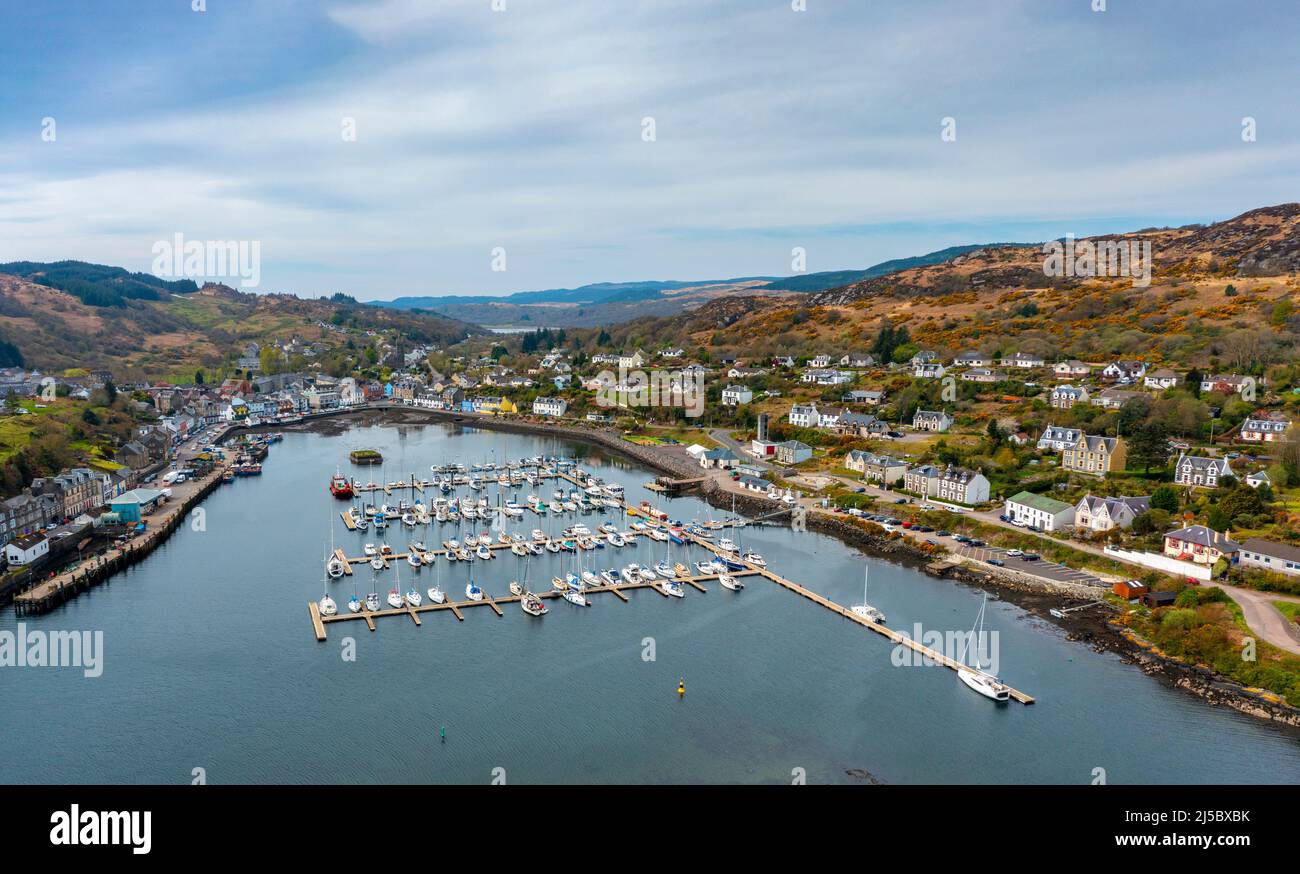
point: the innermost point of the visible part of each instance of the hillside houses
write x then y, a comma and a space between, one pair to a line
1023, 361
935, 421
952, 484
1201, 472
1095, 513
1161, 379
972, 359
1066, 396
876, 468
1124, 371
1265, 427
1227, 384
1094, 455
984, 375
1056, 439
1072, 369
928, 370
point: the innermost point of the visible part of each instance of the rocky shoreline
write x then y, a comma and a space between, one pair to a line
1093, 627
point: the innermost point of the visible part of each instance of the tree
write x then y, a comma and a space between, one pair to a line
994, 432
198, 377
1165, 498
1149, 445
110, 392
1241, 501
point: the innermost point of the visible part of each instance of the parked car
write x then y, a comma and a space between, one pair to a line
997, 562
1015, 552
1030, 556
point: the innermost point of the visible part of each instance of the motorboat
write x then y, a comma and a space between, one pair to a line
558, 584
553, 546
483, 552
515, 588
615, 539
755, 559
370, 550
631, 573
681, 570
647, 574
726, 545
610, 577
413, 559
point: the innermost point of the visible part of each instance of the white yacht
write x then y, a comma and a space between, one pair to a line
730, 582
327, 606
394, 599
473, 592
975, 676
865, 610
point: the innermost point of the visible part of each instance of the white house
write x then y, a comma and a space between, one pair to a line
1039, 511
26, 548
735, 395
1162, 378
1058, 439
937, 421
1127, 371
1096, 513
1199, 471
972, 359
1023, 360
1267, 555
550, 406
804, 416
793, 452
1257, 479
928, 370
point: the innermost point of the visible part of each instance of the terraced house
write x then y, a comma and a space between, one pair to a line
1094, 455
876, 468
952, 484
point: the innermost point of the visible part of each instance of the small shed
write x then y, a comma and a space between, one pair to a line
1159, 599
1129, 589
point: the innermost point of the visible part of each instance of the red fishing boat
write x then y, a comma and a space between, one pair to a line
340, 487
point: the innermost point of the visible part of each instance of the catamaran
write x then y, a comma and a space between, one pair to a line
865, 610
975, 676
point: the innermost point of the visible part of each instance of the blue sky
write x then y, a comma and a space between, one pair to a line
522, 129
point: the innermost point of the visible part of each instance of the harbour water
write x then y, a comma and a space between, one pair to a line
209, 662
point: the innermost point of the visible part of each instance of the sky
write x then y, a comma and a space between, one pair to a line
483, 132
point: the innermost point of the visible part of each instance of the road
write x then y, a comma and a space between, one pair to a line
1263, 618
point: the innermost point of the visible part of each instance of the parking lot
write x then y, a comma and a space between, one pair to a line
1048, 570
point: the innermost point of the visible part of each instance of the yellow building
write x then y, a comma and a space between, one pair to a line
1094, 455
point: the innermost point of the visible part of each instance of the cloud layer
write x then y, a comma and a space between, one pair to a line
523, 129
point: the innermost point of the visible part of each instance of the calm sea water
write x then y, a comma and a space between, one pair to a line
210, 662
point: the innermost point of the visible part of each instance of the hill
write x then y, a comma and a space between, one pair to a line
172, 334
1220, 295
612, 303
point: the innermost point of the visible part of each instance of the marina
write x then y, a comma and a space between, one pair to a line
772, 681
725, 550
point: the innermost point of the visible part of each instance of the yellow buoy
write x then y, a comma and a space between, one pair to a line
681, 688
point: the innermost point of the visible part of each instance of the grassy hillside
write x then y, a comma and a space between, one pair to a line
176, 334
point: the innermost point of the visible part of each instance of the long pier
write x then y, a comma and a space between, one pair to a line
751, 569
